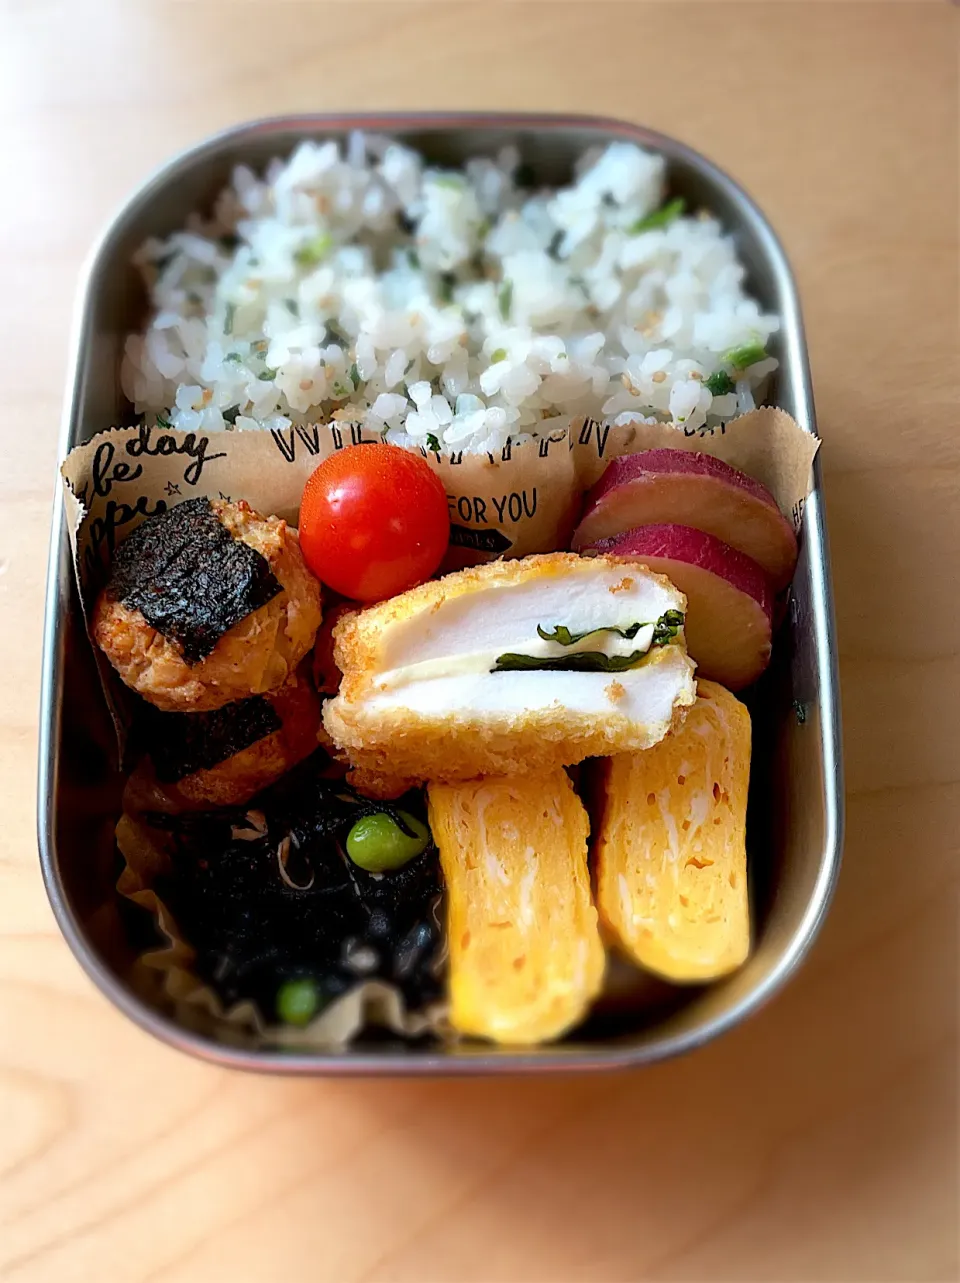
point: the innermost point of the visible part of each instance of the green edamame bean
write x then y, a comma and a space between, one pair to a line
376, 843
298, 1001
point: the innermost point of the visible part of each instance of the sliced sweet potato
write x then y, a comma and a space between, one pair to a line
669, 850
525, 951
689, 488
729, 621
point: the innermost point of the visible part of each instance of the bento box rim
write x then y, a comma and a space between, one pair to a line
559, 1058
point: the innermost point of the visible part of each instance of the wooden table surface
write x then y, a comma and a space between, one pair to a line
818, 1141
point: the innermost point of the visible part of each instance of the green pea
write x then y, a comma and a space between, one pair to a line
377, 843
298, 1001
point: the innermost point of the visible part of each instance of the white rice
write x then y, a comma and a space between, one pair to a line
445, 308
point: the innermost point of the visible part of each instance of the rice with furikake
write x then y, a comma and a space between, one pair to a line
446, 308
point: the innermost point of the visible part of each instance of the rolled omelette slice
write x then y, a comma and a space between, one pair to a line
453, 680
525, 954
670, 847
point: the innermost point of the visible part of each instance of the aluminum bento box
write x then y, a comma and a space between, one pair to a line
796, 800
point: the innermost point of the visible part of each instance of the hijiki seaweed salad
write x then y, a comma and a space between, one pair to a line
359, 772
280, 907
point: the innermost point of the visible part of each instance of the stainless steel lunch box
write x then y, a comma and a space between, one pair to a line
796, 801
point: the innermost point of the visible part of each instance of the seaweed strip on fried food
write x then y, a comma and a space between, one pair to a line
225, 756
266, 894
181, 743
189, 577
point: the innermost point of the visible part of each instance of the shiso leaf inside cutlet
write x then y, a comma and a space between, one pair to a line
420, 698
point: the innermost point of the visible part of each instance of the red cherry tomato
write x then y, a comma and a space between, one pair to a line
373, 521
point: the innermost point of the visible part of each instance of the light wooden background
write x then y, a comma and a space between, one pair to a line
819, 1141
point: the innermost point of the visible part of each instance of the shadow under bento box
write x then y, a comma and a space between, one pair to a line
796, 797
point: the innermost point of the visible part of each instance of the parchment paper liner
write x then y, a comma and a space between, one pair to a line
519, 501
524, 499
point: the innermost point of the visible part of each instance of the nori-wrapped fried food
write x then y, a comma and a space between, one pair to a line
184, 743
207, 603
224, 757
189, 578
269, 895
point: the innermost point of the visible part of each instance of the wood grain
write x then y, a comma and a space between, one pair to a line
817, 1142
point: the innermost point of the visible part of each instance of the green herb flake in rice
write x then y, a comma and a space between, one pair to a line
719, 383
314, 251
661, 217
741, 358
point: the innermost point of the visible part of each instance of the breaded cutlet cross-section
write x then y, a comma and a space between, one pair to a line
420, 701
